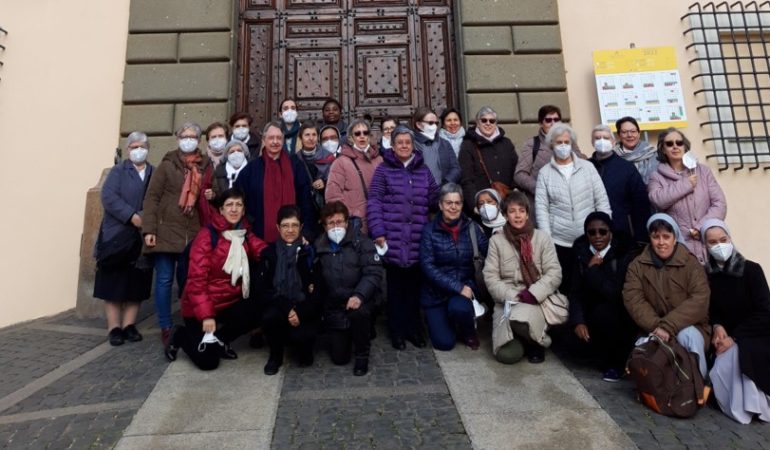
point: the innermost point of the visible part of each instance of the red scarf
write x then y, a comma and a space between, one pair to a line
522, 241
192, 182
278, 190
453, 230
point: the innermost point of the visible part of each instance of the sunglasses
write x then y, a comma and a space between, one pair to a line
670, 144
551, 119
485, 120
361, 133
599, 231
430, 122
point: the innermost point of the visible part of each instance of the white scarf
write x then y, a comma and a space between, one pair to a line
496, 224
490, 138
232, 172
237, 263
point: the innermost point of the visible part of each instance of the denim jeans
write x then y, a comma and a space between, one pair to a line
165, 265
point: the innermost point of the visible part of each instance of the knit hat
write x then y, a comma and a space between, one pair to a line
668, 219
491, 192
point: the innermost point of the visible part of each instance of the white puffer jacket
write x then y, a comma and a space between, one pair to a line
562, 206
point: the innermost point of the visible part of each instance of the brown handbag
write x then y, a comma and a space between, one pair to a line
502, 188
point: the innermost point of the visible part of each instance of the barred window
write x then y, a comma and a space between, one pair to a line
731, 43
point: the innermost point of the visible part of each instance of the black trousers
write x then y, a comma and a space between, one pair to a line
358, 333
566, 257
403, 300
279, 333
232, 322
612, 334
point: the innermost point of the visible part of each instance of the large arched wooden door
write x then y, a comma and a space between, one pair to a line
375, 57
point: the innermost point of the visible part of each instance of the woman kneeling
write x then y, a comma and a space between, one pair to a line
521, 271
216, 304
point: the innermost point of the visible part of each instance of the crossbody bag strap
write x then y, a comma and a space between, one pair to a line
483, 165
474, 241
360, 176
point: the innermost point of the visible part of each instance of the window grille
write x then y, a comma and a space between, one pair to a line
731, 43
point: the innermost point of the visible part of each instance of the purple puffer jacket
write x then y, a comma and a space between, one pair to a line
399, 200
673, 194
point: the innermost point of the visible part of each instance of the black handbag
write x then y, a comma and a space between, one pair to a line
123, 250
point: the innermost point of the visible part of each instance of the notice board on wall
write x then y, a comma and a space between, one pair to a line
643, 83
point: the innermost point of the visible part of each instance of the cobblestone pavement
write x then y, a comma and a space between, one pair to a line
403, 402
709, 429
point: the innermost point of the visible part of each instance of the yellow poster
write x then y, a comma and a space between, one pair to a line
643, 83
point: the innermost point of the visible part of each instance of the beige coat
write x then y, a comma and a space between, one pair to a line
672, 298
502, 274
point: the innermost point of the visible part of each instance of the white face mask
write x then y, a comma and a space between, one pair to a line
331, 146
289, 116
381, 250
429, 131
721, 252
240, 133
188, 145
217, 144
690, 161
137, 155
385, 142
488, 212
236, 159
603, 145
336, 234
207, 339
562, 151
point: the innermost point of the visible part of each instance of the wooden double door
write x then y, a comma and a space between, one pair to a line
376, 57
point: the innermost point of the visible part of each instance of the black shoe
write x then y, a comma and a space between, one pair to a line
131, 333
361, 367
172, 348
227, 352
535, 353
398, 343
417, 340
272, 366
257, 340
116, 337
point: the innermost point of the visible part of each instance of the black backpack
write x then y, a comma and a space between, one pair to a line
667, 377
183, 265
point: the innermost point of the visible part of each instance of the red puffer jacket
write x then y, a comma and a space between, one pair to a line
208, 289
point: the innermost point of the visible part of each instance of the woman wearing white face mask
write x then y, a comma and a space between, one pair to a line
351, 173
120, 281
236, 156
387, 125
287, 113
568, 189
436, 151
625, 189
217, 135
352, 273
172, 215
739, 312
240, 124
488, 208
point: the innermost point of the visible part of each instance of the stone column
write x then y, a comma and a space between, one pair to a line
86, 305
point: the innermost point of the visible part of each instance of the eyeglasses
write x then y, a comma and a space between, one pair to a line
336, 223
289, 226
430, 122
669, 144
599, 231
490, 121
361, 133
552, 119
629, 132
388, 129
452, 203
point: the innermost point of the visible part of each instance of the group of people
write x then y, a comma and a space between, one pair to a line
306, 227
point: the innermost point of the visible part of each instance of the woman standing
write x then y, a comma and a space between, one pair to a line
740, 318
315, 160
387, 125
287, 279
218, 305
171, 217
486, 157
521, 271
688, 195
351, 173
633, 149
452, 129
446, 259
437, 152
236, 156
122, 285
568, 189
287, 115
401, 195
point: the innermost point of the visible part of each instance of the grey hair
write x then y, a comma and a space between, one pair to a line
484, 111
601, 127
138, 136
401, 129
450, 188
271, 124
558, 129
354, 124
237, 143
189, 126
